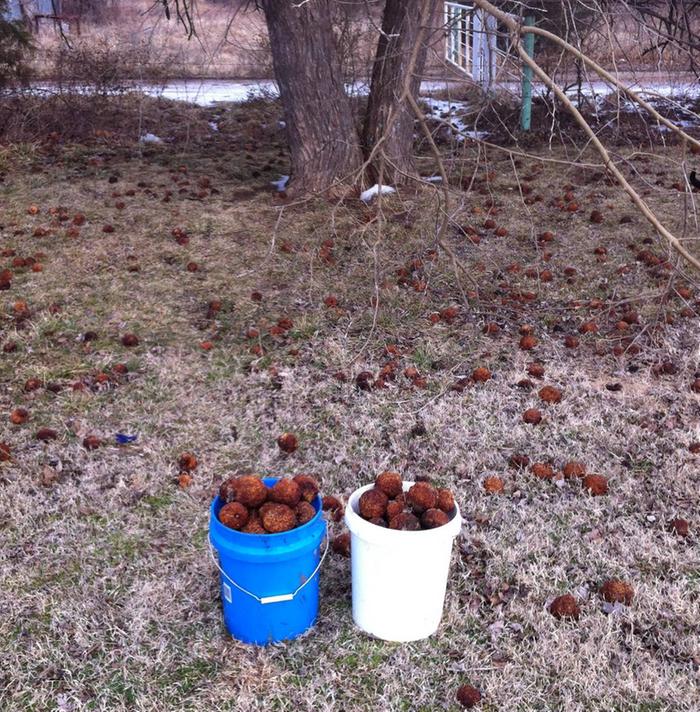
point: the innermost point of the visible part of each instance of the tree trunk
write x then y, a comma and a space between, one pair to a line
402, 49
323, 140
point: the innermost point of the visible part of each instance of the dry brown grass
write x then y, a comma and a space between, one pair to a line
230, 41
109, 600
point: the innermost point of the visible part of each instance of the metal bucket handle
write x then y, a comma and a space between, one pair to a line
267, 599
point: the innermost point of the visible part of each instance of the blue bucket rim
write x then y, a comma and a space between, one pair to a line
268, 536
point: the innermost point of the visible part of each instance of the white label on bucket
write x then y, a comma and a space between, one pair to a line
227, 592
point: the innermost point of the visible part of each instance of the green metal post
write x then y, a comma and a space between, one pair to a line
526, 109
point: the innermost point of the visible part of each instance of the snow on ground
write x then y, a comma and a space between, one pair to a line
454, 112
281, 183
206, 92
210, 92
370, 193
663, 92
595, 88
150, 138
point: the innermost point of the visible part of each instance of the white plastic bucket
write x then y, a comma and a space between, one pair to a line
399, 578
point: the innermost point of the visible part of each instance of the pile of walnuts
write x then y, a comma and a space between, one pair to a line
252, 507
421, 507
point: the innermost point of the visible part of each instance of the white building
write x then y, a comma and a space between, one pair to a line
470, 43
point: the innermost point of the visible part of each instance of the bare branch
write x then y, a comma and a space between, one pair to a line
516, 31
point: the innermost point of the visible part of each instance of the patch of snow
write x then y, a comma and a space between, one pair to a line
590, 89
681, 123
280, 184
445, 106
209, 92
433, 179
150, 138
447, 111
357, 88
213, 126
282, 124
370, 193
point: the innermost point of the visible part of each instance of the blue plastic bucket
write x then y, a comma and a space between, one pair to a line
269, 582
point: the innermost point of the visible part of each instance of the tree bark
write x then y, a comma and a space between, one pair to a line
323, 140
401, 50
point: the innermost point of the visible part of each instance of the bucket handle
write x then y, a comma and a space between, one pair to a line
268, 599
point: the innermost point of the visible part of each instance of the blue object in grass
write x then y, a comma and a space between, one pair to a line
124, 439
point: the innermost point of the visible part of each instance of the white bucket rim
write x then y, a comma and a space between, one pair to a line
383, 535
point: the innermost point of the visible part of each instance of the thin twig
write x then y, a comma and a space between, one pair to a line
578, 117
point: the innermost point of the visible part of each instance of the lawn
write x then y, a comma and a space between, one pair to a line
253, 315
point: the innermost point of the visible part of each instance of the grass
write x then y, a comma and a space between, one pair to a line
110, 600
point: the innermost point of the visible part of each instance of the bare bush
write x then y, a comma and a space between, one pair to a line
106, 68
70, 117
93, 10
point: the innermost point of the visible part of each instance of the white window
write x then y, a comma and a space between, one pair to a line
458, 23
